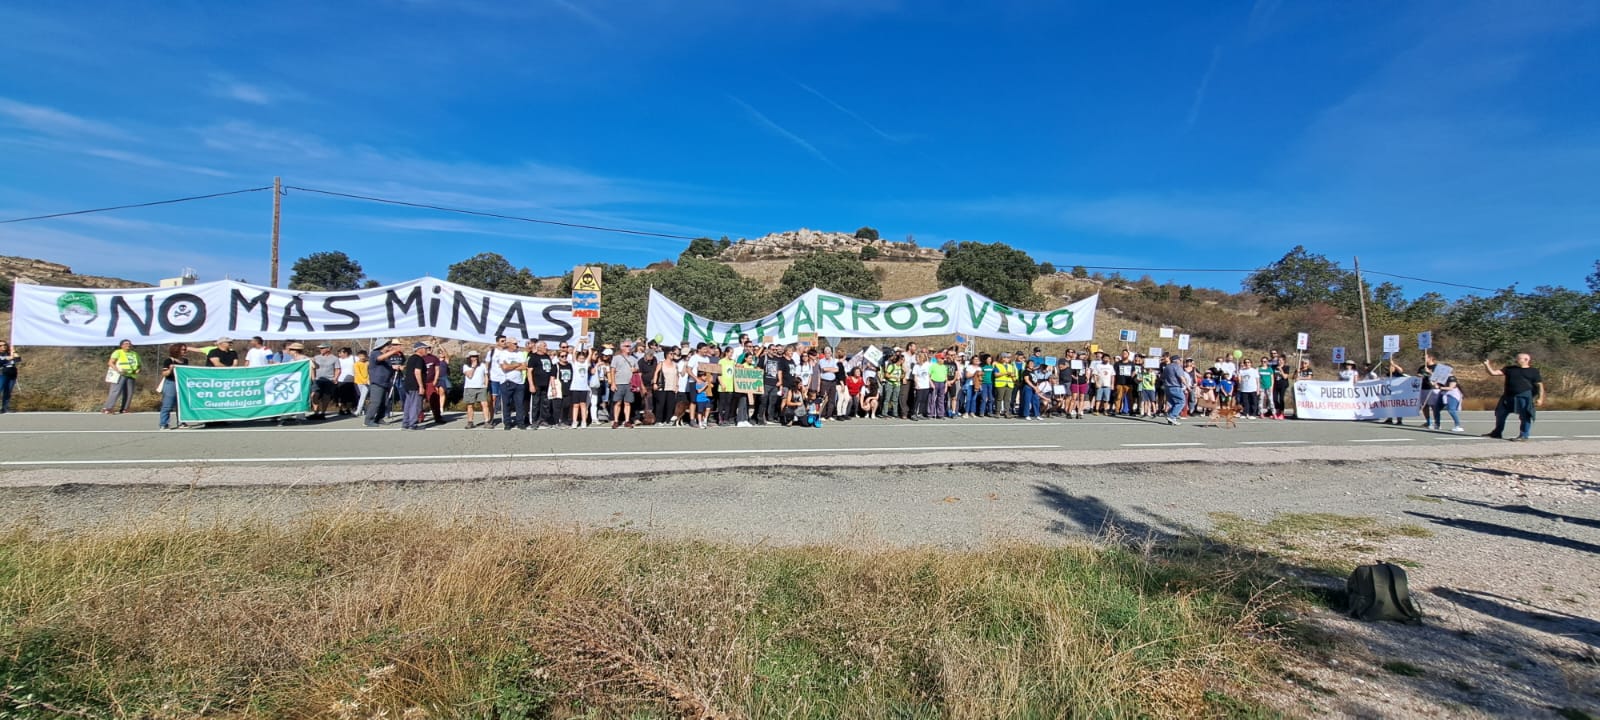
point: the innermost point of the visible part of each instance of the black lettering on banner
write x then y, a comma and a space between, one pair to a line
549, 316
461, 305
392, 302
120, 306
513, 319
328, 304
433, 308
182, 313
295, 311
238, 300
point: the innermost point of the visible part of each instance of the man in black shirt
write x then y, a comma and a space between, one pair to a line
541, 370
223, 355
415, 377
380, 377
775, 373
1524, 392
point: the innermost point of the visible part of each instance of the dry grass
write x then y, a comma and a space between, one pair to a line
401, 617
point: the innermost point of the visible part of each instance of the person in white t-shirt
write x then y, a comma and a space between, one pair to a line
497, 378
579, 394
259, 355
922, 383
475, 387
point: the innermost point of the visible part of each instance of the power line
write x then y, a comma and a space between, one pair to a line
481, 213
1436, 282
137, 205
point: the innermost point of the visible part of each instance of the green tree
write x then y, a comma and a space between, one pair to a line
1594, 279
1046, 268
703, 247
1080, 272
867, 233
1300, 278
837, 272
869, 252
326, 271
705, 287
997, 270
491, 271
1186, 293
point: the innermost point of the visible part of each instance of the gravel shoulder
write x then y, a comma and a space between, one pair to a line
1507, 572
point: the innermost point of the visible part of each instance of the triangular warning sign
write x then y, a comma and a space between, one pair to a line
588, 280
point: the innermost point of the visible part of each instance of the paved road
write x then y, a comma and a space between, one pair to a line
63, 440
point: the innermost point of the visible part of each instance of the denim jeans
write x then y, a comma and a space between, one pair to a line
986, 399
1453, 406
938, 406
1522, 405
7, 384
169, 401
1174, 402
1030, 402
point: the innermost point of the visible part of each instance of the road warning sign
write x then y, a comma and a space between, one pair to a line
586, 279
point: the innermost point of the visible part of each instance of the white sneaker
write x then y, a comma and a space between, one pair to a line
1172, 421
742, 424
1458, 428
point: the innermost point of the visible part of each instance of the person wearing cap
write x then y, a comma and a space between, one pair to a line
415, 378
475, 387
324, 378
223, 355
380, 378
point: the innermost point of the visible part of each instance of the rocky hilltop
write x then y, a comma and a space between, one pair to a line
798, 243
39, 272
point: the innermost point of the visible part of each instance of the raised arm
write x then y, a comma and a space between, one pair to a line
1493, 370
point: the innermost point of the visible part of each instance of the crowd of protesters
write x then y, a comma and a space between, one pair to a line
560, 385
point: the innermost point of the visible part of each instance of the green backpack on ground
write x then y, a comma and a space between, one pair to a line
1379, 592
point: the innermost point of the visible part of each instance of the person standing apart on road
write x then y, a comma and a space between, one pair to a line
9, 360
176, 355
1523, 393
475, 386
1179, 385
121, 370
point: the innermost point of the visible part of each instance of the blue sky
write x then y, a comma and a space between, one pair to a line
1449, 140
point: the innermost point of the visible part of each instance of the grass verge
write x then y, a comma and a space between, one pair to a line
410, 617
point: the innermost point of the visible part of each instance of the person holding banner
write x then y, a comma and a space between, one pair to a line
1431, 400
1523, 393
121, 370
1450, 394
177, 354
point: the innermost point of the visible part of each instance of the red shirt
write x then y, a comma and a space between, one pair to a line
853, 384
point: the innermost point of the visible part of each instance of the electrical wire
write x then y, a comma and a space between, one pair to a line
481, 213
1436, 282
136, 205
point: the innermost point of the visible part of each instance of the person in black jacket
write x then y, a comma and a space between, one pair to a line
1523, 393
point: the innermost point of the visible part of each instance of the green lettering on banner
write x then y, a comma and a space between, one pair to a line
690, 326
213, 394
935, 306
911, 319
803, 318
776, 327
976, 315
732, 335
1030, 321
1050, 321
824, 313
1005, 317
857, 316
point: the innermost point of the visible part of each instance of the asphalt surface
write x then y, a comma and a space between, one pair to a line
79, 440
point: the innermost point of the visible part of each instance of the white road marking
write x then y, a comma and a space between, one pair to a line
1461, 437
1274, 442
1384, 440
1586, 436
517, 456
1162, 444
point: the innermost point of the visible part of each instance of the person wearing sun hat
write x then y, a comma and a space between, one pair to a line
380, 378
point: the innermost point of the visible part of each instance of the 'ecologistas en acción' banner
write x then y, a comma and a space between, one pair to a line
956, 310
1365, 400
213, 394
199, 314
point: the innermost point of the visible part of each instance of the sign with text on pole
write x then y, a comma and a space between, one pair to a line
586, 292
1338, 356
1391, 343
1302, 341
1425, 340
1183, 342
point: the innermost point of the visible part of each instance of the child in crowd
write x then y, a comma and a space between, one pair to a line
702, 398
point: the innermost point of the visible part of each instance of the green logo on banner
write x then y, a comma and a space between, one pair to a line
211, 394
78, 308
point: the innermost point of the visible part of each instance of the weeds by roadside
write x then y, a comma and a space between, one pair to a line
409, 617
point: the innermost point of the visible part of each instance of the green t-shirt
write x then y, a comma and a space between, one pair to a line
939, 372
1266, 378
988, 374
1147, 380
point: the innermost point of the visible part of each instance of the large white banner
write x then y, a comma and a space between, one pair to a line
952, 311
1365, 400
44, 315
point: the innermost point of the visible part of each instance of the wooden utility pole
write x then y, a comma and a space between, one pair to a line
277, 214
1366, 335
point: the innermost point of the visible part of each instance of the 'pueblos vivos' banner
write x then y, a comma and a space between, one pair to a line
213, 394
1365, 400
956, 310
199, 314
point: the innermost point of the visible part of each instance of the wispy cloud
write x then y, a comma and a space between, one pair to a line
133, 158
1200, 91
229, 88
853, 114
51, 121
782, 132
587, 16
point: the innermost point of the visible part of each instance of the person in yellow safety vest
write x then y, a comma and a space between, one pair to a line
1005, 383
121, 370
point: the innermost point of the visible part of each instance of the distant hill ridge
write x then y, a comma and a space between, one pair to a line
802, 242
40, 272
